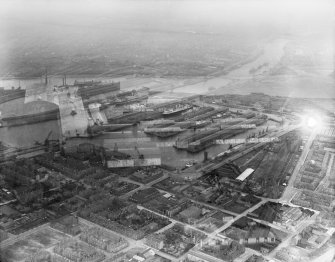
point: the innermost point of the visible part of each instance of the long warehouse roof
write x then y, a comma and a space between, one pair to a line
245, 174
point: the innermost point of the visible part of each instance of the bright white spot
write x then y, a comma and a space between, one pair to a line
311, 122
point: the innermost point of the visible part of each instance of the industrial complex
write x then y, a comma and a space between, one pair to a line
113, 182
167, 131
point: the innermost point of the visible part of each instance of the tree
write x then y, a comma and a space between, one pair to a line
116, 204
172, 238
179, 228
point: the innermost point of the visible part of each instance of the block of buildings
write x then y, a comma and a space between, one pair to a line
103, 239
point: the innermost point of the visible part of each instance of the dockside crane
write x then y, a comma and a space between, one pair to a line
46, 140
140, 156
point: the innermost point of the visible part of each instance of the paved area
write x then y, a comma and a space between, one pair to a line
74, 118
290, 191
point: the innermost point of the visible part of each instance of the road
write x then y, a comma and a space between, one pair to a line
133, 243
210, 235
7, 202
141, 186
21, 236
290, 190
326, 177
222, 228
287, 240
228, 224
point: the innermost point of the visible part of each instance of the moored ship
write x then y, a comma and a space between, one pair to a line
33, 112
93, 88
131, 97
86, 83
176, 110
130, 100
164, 132
11, 94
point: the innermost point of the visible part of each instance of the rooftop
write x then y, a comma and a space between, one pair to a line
245, 174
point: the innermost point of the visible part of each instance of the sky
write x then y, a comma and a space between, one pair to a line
254, 18
297, 12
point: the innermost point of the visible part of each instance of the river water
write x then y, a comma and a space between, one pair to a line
153, 147
170, 89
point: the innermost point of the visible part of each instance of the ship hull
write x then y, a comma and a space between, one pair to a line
175, 112
30, 118
164, 134
9, 95
96, 89
130, 101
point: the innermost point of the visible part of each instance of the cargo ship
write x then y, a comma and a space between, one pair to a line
100, 129
130, 100
86, 83
11, 94
197, 111
176, 110
89, 89
164, 132
209, 140
131, 97
202, 123
29, 118
170, 129
134, 117
33, 112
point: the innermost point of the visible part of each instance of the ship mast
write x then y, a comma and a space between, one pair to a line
46, 76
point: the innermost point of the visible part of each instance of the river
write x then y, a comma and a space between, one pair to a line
153, 147
170, 89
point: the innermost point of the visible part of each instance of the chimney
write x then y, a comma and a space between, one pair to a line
205, 156
46, 76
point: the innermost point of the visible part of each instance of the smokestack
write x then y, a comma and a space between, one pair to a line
65, 79
46, 76
205, 156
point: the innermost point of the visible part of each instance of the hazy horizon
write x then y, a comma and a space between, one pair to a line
183, 39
